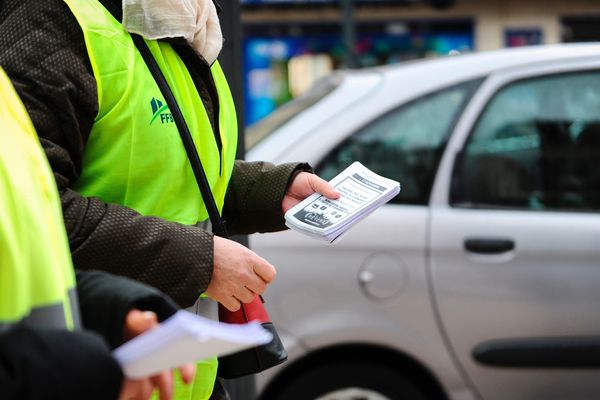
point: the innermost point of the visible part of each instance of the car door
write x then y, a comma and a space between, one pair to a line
515, 235
371, 286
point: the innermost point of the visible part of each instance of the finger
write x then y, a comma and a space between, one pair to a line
257, 285
187, 371
264, 270
147, 389
138, 321
245, 295
164, 383
231, 303
322, 186
143, 390
128, 390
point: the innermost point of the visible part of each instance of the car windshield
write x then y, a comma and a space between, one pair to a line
262, 129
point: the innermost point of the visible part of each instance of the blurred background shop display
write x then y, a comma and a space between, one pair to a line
282, 60
289, 44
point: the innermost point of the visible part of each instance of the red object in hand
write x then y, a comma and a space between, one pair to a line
255, 359
254, 311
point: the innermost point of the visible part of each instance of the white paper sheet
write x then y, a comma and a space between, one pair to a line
183, 338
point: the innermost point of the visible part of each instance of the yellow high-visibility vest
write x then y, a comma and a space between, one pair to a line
37, 282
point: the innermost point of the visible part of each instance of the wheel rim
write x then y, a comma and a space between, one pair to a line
353, 394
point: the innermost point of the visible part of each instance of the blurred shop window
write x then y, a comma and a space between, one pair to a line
522, 37
405, 144
281, 60
263, 129
536, 147
305, 70
580, 29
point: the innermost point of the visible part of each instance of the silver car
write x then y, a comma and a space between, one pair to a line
481, 280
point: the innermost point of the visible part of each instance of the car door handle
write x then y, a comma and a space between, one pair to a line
489, 246
540, 352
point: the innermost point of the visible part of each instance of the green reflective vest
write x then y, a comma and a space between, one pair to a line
134, 155
37, 282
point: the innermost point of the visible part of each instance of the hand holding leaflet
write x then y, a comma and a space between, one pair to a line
362, 191
183, 338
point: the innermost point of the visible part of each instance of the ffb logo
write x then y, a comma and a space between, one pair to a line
160, 111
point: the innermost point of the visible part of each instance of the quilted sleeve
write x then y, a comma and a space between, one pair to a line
254, 196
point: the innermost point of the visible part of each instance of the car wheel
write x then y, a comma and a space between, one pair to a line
350, 381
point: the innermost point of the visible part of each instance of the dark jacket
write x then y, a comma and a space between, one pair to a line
43, 51
37, 363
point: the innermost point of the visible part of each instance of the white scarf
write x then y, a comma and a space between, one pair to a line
194, 20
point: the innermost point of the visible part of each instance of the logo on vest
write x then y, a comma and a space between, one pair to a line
160, 111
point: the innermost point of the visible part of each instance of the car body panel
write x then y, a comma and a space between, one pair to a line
307, 269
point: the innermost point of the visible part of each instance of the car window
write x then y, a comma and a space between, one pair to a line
536, 146
263, 129
405, 144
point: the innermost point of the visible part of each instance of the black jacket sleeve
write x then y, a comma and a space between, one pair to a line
56, 364
254, 196
43, 51
105, 300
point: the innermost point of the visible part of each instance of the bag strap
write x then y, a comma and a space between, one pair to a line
218, 225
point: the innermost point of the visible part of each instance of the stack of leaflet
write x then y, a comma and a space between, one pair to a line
362, 192
184, 338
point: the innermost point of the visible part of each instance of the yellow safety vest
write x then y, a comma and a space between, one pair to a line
134, 155
37, 282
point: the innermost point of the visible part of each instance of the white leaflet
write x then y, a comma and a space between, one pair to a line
363, 191
183, 338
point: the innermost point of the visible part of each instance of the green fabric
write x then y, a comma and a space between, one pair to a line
206, 370
134, 155
36, 270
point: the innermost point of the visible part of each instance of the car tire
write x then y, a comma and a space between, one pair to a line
322, 380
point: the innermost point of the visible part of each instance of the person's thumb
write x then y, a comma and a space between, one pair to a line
320, 185
137, 322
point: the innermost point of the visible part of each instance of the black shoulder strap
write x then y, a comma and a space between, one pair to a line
117, 12
218, 225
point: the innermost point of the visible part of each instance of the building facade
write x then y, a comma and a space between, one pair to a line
290, 44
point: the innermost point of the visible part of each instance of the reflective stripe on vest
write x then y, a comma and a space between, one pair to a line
51, 316
134, 155
37, 283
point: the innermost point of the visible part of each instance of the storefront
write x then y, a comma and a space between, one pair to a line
283, 60
289, 44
